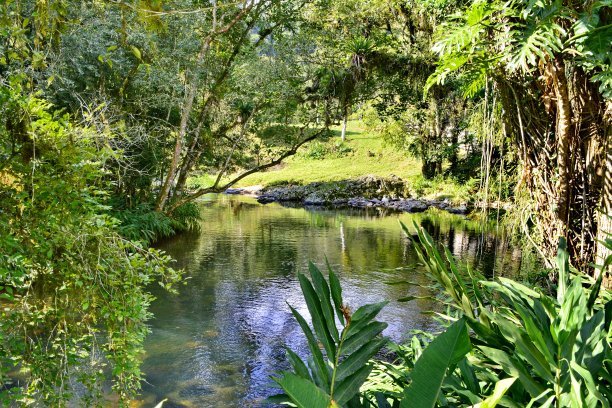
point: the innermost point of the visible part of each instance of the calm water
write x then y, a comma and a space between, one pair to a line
217, 343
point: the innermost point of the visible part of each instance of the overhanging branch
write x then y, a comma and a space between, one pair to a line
216, 188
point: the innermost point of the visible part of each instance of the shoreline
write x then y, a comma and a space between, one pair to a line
366, 192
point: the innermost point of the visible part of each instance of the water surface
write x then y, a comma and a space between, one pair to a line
219, 340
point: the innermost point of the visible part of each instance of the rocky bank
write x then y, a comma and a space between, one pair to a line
365, 192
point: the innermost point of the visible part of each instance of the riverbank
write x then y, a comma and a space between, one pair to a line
362, 154
365, 192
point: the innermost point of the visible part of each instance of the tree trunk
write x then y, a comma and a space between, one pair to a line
604, 224
564, 132
344, 120
180, 137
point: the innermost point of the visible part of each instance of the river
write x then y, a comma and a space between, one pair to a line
217, 343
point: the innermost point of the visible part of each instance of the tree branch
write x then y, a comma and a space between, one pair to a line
215, 188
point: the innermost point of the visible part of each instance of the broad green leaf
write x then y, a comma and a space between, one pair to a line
363, 316
500, 390
322, 290
320, 368
318, 319
298, 365
336, 292
302, 392
589, 382
349, 387
430, 369
358, 339
515, 368
358, 359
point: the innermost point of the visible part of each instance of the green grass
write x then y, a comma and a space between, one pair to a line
369, 155
360, 155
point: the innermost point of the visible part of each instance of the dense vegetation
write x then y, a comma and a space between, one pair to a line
109, 109
524, 347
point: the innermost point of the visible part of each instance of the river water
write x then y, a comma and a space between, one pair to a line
217, 343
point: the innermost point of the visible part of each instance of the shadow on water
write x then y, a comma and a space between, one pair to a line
217, 342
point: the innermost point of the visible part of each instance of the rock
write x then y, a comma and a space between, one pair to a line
412, 206
314, 199
358, 202
461, 210
233, 191
365, 192
266, 198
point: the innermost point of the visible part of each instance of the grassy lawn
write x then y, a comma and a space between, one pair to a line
367, 155
360, 155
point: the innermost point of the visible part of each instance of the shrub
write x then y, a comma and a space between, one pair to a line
72, 289
508, 344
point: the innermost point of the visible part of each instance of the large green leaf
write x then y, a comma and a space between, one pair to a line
322, 289
302, 392
358, 359
430, 369
320, 368
349, 387
358, 339
363, 316
298, 365
336, 292
318, 318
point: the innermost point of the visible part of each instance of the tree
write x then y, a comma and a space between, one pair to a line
549, 64
73, 290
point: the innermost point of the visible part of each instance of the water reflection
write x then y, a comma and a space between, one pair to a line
217, 343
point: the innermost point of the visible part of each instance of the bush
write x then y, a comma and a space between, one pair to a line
508, 344
142, 223
73, 290
325, 150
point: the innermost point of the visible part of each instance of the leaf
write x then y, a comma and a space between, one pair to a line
515, 368
348, 388
411, 298
298, 365
430, 369
358, 339
318, 319
322, 290
500, 390
357, 360
320, 367
136, 52
302, 392
563, 264
336, 291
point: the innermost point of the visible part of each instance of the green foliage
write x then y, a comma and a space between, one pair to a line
318, 150
144, 224
555, 347
74, 303
480, 40
333, 378
444, 352
509, 344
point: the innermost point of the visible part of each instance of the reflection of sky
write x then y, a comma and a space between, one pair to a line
217, 343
